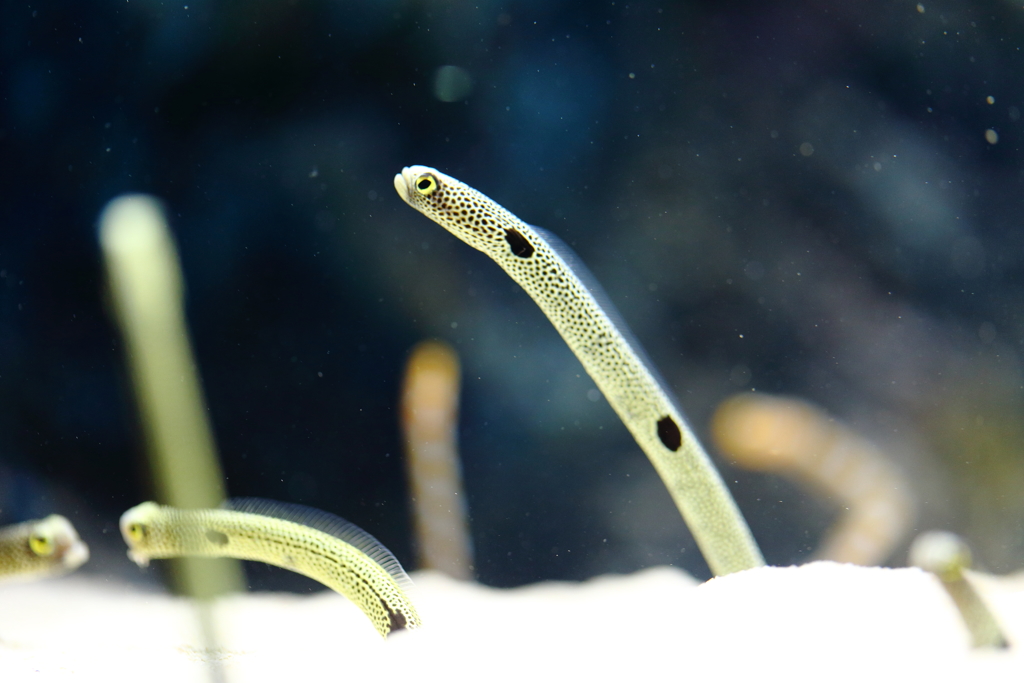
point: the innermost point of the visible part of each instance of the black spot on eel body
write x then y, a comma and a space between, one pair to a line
520, 246
216, 537
668, 432
396, 619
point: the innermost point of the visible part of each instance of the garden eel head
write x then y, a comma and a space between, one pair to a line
942, 553
52, 546
462, 211
139, 533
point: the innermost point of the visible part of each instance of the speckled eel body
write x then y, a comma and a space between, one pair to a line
40, 548
316, 544
574, 303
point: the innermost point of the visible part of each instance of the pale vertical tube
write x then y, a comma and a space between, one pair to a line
796, 438
146, 289
430, 409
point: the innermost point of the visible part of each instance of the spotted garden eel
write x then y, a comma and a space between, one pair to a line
575, 304
40, 548
316, 544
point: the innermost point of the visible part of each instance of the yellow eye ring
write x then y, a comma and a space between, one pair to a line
426, 184
41, 545
136, 531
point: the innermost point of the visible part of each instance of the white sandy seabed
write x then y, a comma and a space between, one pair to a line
818, 622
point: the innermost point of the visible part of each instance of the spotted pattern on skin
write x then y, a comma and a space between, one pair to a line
170, 532
617, 368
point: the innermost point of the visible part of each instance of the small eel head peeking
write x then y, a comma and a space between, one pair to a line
51, 547
466, 213
136, 531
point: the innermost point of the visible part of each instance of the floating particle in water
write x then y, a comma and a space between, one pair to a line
987, 333
740, 375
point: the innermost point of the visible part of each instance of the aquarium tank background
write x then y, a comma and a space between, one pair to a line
815, 199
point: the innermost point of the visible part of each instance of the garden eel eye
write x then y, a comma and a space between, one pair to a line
426, 184
43, 546
136, 531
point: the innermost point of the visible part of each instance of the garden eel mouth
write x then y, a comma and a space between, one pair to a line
311, 542
40, 548
576, 305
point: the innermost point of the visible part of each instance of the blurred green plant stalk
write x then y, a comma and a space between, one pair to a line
145, 281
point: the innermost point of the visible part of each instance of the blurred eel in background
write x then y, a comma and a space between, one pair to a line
429, 415
146, 287
40, 548
795, 438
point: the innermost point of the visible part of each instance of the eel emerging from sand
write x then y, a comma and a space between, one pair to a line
947, 556
40, 548
575, 304
316, 544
